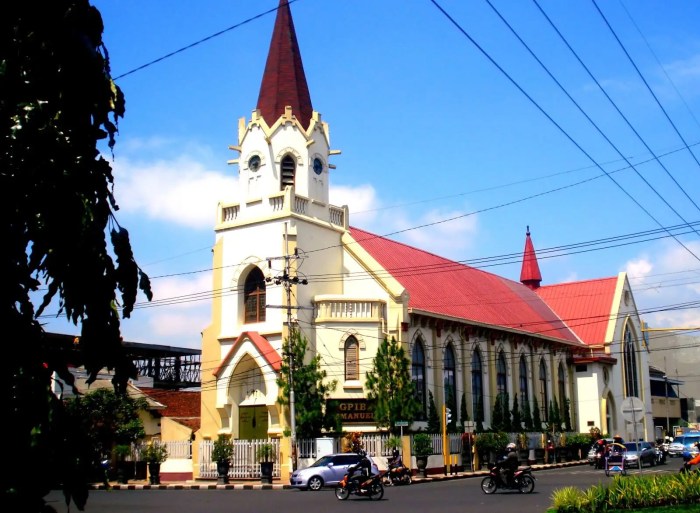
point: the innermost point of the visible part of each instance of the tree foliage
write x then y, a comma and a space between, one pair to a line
463, 414
526, 414
515, 415
56, 204
313, 414
390, 389
434, 425
108, 419
536, 418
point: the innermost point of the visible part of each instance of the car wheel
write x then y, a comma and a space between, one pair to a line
315, 483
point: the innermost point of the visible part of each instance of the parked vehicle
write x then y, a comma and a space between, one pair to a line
327, 471
685, 442
366, 487
646, 454
523, 481
397, 475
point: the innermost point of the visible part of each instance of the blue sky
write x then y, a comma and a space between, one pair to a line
430, 130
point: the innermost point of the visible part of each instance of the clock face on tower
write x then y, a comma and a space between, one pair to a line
318, 166
254, 163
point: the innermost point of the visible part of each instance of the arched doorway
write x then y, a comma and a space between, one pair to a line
249, 390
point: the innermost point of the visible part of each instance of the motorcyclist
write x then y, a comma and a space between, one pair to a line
395, 461
361, 470
508, 465
695, 460
600, 450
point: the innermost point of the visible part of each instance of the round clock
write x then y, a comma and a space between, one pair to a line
318, 166
254, 163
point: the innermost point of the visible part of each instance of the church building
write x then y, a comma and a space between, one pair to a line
284, 255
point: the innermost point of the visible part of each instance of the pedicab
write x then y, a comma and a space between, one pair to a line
615, 459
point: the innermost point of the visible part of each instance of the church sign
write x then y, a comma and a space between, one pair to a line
353, 411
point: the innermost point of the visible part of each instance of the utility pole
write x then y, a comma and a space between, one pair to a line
287, 281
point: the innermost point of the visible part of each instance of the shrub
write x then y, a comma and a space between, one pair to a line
422, 444
155, 452
223, 449
265, 453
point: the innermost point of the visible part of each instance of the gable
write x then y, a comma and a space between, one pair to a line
585, 306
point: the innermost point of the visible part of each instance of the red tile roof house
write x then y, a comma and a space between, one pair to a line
467, 332
178, 420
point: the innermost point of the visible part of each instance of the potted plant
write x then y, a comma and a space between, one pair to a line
422, 448
121, 452
221, 453
154, 454
266, 455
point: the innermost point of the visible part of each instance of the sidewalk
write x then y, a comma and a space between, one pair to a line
278, 485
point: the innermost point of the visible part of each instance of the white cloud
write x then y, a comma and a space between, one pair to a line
666, 286
180, 310
362, 203
180, 191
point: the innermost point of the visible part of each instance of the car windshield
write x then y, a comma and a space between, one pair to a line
322, 462
689, 441
632, 446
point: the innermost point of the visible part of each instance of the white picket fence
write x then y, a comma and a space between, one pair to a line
244, 464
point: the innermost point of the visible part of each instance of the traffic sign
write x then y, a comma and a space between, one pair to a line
401, 423
632, 409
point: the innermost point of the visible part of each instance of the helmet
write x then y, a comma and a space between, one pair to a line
510, 447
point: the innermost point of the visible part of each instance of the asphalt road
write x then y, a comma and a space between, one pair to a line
462, 495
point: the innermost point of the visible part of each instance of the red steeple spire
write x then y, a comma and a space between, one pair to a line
530, 273
284, 82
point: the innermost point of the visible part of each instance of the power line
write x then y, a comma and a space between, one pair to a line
554, 122
203, 40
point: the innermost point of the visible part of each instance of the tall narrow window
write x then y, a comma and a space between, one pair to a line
524, 392
561, 382
450, 381
477, 387
630, 356
544, 396
501, 385
254, 296
352, 359
418, 377
288, 171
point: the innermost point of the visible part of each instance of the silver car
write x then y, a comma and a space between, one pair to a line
327, 471
646, 454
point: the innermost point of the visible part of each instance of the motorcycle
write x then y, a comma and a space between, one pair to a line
397, 475
364, 487
687, 467
523, 481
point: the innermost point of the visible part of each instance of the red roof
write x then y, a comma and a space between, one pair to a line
585, 306
263, 346
445, 287
530, 275
284, 81
178, 403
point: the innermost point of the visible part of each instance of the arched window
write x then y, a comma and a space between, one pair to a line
524, 388
501, 374
352, 359
254, 296
544, 397
418, 377
630, 356
477, 387
450, 381
288, 171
